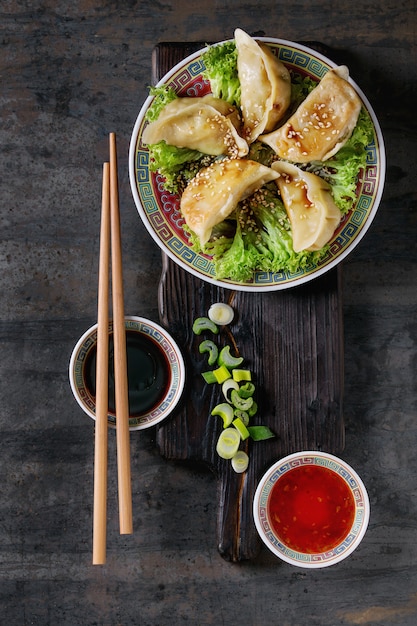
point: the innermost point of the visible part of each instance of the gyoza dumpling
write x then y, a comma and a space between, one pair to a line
309, 204
322, 124
223, 107
265, 86
212, 195
206, 124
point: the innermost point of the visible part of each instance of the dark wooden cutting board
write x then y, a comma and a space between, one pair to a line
292, 340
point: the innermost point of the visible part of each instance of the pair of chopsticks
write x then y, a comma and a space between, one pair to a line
110, 240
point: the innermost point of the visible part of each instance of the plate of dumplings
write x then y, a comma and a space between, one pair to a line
241, 180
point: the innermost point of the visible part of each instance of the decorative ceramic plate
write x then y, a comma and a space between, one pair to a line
161, 351
263, 511
159, 209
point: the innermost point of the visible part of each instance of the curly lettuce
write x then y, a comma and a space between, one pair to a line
177, 165
162, 96
257, 238
220, 63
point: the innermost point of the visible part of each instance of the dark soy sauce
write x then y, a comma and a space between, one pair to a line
147, 370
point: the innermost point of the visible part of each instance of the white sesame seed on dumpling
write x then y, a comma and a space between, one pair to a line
322, 124
213, 194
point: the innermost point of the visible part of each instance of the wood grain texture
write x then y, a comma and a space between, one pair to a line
292, 341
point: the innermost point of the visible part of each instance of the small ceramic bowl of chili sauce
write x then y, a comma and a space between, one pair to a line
155, 372
311, 509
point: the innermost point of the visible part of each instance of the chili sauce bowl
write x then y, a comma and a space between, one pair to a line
311, 509
155, 370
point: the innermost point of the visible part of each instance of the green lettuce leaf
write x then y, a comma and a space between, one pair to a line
176, 165
257, 238
220, 63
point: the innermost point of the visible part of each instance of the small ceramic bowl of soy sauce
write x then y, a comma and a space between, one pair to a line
155, 370
311, 509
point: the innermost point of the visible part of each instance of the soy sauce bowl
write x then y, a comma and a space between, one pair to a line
311, 509
156, 373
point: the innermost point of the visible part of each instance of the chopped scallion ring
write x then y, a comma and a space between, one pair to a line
225, 358
240, 462
241, 428
204, 323
209, 346
244, 404
242, 415
227, 386
209, 377
240, 375
221, 313
221, 374
225, 411
259, 433
247, 390
228, 443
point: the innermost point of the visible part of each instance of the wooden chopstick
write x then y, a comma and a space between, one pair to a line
120, 356
102, 384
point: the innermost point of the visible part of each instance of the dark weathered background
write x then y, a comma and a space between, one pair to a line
70, 73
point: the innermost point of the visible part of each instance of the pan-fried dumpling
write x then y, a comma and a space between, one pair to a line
207, 124
212, 195
309, 204
265, 86
322, 124
223, 107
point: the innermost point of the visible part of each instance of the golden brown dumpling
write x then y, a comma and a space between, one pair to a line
322, 123
309, 204
207, 124
213, 194
265, 86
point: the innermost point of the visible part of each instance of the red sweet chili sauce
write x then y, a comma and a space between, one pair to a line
311, 509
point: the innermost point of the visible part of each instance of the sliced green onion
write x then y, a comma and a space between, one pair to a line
243, 415
240, 374
237, 387
225, 358
240, 462
259, 433
204, 323
227, 386
221, 313
247, 390
244, 404
241, 428
221, 374
225, 411
209, 377
228, 443
209, 346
